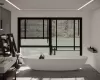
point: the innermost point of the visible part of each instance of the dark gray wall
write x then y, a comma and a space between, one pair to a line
6, 21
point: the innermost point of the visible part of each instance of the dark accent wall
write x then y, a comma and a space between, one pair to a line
6, 21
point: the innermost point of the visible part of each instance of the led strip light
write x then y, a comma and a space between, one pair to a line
85, 4
49, 9
13, 4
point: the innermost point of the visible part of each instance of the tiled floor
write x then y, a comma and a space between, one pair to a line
87, 73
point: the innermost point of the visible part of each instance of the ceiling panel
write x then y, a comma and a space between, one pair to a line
49, 4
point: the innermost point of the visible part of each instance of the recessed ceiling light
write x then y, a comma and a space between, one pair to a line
85, 4
13, 4
1, 29
80, 68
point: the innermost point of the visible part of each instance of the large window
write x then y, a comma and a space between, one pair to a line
58, 34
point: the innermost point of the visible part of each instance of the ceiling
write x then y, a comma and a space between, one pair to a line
55, 4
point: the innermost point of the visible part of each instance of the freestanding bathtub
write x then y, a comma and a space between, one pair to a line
55, 63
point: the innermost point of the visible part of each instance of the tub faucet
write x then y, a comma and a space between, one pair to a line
42, 56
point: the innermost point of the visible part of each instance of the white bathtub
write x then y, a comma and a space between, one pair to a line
55, 63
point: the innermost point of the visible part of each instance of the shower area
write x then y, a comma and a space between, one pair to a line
50, 36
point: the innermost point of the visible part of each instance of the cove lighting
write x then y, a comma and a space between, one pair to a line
50, 9
85, 4
13, 4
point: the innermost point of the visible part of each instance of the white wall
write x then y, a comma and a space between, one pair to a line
95, 38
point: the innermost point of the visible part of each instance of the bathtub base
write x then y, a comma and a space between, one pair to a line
56, 70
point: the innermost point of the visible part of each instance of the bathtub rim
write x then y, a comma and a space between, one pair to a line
54, 57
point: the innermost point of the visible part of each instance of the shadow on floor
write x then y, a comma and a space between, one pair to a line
87, 72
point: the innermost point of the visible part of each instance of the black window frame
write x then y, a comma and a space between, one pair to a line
50, 32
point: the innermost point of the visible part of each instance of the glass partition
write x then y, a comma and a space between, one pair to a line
54, 24
77, 34
65, 33
34, 28
22, 28
34, 32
